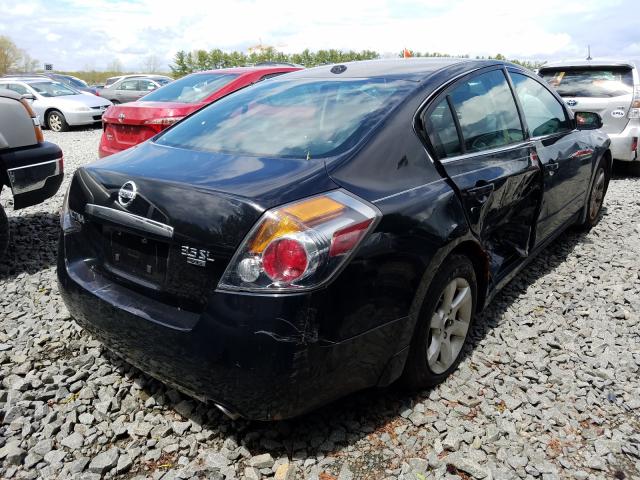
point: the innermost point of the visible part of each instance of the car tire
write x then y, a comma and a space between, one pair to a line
4, 232
597, 192
56, 121
442, 324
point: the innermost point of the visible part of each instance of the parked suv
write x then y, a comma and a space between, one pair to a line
610, 88
31, 167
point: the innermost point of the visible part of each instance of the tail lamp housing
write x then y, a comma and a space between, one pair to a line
301, 245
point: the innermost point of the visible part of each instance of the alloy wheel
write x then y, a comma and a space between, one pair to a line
597, 194
55, 122
449, 325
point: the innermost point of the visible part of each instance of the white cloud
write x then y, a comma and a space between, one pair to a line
97, 31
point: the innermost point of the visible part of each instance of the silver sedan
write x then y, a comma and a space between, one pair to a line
58, 106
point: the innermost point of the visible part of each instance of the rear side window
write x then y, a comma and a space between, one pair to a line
543, 113
486, 112
442, 131
590, 82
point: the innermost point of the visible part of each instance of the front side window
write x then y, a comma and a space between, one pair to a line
192, 88
146, 85
486, 112
541, 110
129, 85
22, 90
590, 82
52, 89
297, 118
441, 128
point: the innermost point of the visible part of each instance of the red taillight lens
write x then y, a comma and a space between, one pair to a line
634, 144
285, 260
345, 239
300, 245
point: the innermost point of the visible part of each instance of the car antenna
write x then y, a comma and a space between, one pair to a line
589, 52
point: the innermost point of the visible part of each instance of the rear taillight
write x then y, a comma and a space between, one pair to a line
34, 118
634, 144
301, 245
159, 124
634, 111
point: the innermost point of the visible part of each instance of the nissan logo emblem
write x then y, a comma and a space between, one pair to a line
127, 193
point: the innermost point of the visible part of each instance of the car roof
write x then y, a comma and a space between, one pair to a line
246, 70
603, 62
415, 69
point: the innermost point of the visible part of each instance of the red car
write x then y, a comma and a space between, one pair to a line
130, 124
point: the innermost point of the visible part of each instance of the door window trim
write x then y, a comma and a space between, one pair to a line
442, 93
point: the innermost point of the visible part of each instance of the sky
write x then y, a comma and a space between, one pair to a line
91, 34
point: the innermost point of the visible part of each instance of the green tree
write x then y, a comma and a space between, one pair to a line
10, 55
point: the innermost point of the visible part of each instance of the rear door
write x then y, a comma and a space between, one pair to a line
607, 91
564, 153
475, 130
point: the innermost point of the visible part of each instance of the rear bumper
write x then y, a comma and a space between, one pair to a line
260, 356
105, 150
34, 173
621, 143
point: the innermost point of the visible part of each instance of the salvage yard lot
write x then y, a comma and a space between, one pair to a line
550, 388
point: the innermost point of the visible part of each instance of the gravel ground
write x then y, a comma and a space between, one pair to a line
551, 388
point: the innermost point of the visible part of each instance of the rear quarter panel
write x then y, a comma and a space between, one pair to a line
422, 222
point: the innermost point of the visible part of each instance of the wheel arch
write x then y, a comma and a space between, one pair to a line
48, 111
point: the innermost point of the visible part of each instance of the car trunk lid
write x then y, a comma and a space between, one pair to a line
190, 212
132, 123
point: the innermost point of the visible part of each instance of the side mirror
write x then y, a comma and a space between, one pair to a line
29, 96
588, 121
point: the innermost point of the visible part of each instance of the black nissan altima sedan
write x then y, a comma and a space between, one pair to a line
328, 230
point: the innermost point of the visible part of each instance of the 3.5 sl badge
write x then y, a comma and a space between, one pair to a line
196, 256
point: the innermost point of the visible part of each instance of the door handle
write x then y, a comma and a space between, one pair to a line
552, 167
481, 190
479, 195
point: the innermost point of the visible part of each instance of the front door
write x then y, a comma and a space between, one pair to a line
127, 91
475, 130
565, 157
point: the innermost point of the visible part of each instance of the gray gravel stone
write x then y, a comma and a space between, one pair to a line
104, 461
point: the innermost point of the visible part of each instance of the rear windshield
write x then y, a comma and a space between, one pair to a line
190, 89
52, 89
76, 82
299, 118
590, 82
